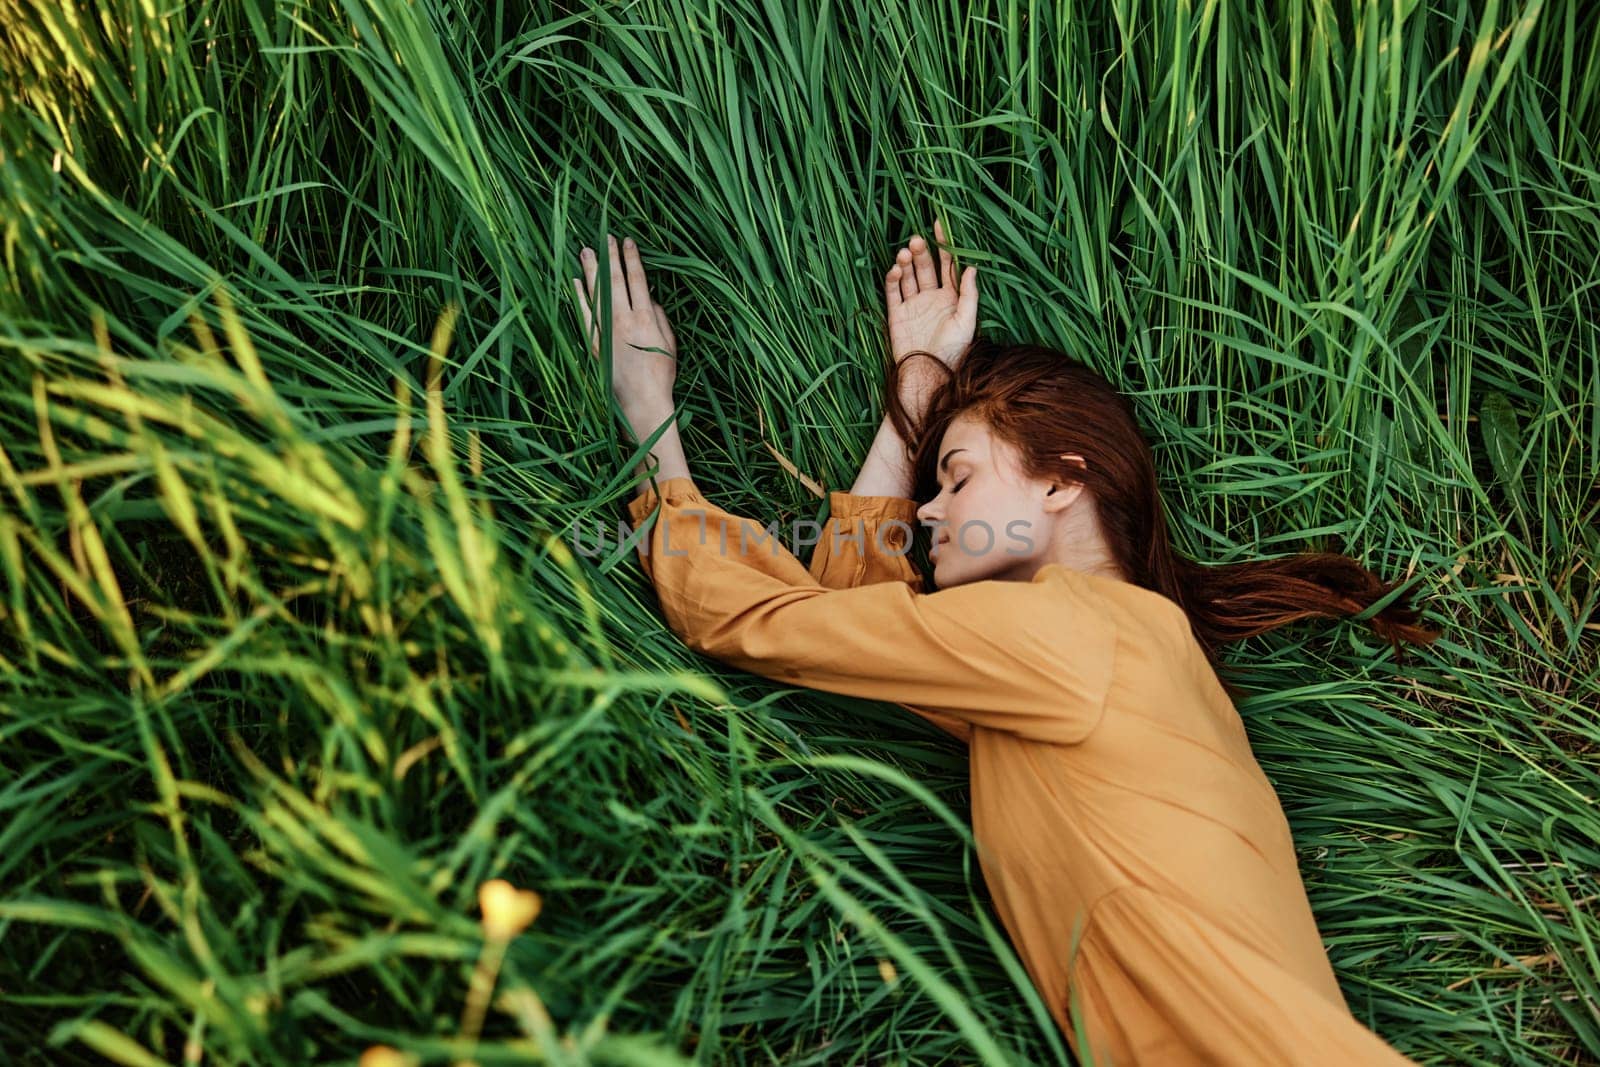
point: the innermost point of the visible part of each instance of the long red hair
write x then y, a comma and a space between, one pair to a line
1045, 403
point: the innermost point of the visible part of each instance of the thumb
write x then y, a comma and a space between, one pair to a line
666, 327
967, 303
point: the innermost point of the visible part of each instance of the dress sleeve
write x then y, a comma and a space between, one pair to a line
1022, 657
867, 540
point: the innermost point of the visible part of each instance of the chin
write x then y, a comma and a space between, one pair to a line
952, 573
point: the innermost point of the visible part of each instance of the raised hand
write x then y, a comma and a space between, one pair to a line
923, 314
644, 353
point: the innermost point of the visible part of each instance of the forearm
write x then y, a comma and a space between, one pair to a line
886, 470
667, 452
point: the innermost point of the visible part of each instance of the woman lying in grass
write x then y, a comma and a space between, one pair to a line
1136, 853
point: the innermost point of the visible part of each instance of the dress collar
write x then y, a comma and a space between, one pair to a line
1053, 570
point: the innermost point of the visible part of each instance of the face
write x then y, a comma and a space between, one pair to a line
988, 520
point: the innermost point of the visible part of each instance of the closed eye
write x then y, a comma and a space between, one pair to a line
957, 487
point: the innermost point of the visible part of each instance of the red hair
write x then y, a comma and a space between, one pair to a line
1046, 404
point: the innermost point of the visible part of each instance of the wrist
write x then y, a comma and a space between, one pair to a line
916, 382
667, 457
887, 470
914, 402
645, 416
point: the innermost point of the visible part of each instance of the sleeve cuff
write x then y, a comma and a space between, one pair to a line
844, 505
677, 491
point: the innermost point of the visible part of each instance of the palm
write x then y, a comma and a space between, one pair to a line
927, 321
644, 352
923, 314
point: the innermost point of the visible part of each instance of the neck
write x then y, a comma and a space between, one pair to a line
1080, 544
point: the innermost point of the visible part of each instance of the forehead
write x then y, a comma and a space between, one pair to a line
966, 433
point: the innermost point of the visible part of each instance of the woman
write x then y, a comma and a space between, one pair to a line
1136, 853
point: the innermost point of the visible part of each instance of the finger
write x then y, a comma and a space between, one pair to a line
619, 282
947, 262
591, 266
927, 278
891, 285
638, 288
908, 274
590, 340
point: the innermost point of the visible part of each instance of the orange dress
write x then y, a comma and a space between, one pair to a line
1137, 855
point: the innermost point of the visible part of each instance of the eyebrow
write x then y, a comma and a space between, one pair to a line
944, 464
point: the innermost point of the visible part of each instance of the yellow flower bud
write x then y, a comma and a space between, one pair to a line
507, 911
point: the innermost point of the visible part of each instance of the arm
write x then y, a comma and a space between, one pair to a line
668, 449
849, 556
922, 315
867, 539
837, 564
1012, 656
887, 469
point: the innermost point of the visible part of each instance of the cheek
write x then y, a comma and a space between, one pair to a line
972, 527
969, 505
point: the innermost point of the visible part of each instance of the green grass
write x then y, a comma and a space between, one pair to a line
295, 655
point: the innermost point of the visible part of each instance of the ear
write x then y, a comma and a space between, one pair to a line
1060, 495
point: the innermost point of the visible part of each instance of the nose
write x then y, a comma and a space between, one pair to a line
931, 517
